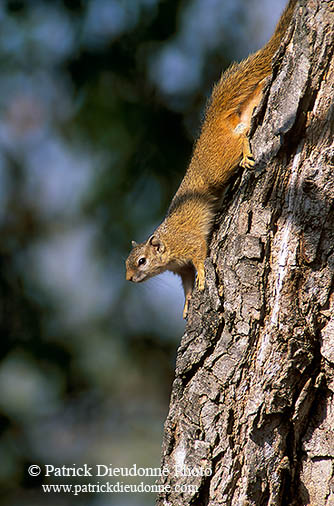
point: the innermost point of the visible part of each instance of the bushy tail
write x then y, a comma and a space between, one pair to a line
240, 80
273, 44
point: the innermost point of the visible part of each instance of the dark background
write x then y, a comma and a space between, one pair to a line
100, 102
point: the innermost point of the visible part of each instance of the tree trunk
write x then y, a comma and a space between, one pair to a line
251, 419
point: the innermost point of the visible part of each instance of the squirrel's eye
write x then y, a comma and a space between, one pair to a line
142, 261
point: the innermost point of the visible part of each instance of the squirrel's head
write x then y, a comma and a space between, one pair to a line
145, 260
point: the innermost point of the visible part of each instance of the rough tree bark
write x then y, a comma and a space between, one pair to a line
252, 402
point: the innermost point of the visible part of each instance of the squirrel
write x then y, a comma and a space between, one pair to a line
179, 244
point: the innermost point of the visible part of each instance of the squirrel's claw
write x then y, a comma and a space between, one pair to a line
247, 162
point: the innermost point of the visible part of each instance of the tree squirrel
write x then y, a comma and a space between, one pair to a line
179, 244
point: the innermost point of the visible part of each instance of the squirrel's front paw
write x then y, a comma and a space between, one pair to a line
200, 281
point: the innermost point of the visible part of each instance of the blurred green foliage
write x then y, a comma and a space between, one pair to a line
100, 101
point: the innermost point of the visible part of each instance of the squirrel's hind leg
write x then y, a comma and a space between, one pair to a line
246, 112
247, 161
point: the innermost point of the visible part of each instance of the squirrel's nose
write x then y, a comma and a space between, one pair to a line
128, 276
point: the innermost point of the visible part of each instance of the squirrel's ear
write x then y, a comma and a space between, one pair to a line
156, 243
134, 244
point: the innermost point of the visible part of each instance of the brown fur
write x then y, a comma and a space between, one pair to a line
179, 244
